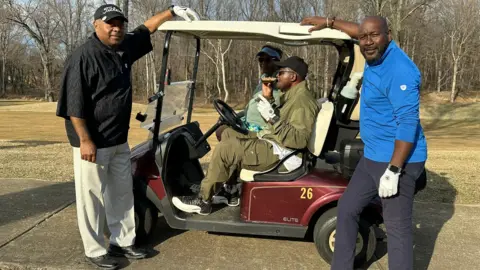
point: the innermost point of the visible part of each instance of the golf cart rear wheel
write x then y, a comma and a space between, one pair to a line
146, 216
324, 238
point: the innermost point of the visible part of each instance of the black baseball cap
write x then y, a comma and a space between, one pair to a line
108, 12
296, 64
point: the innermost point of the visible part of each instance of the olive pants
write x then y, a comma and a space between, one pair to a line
235, 152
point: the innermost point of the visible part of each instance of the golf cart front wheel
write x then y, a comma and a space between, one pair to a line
146, 216
324, 238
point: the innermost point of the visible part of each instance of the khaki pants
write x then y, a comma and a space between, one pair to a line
104, 192
236, 151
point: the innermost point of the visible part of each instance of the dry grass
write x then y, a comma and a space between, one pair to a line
33, 144
15, 102
46, 160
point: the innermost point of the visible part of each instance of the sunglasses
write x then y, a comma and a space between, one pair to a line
280, 73
266, 59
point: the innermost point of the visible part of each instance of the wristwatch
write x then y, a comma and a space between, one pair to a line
394, 168
274, 119
171, 10
333, 21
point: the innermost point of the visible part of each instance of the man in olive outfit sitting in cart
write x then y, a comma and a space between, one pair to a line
289, 127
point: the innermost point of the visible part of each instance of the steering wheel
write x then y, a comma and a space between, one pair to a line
229, 116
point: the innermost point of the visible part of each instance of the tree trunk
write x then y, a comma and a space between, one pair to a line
440, 65
378, 5
217, 63
205, 83
438, 68
406, 43
221, 58
3, 79
153, 71
227, 94
472, 77
246, 96
326, 67
454, 81
413, 45
46, 75
218, 81
398, 23
271, 10
125, 12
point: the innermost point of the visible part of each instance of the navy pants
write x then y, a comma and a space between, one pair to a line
397, 214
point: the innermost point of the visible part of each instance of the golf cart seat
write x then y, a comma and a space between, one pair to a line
315, 144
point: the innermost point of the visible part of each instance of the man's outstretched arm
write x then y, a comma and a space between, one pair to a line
350, 28
186, 13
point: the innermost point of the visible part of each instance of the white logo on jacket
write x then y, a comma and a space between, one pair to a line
403, 87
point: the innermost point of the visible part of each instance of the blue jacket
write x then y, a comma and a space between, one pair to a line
253, 120
389, 107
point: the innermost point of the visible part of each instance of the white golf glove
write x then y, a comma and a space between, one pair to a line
265, 109
388, 184
185, 12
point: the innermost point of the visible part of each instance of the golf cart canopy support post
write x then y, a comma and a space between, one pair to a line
161, 86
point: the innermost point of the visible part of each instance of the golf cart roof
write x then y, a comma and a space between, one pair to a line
280, 32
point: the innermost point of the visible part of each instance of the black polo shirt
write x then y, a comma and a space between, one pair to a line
96, 86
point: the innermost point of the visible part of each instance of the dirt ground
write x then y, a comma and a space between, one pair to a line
33, 145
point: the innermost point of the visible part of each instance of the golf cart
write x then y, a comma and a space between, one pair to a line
295, 204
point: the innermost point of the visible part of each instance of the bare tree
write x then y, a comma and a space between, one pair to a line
39, 22
140, 12
252, 10
376, 7
125, 11
403, 12
460, 21
75, 17
218, 59
437, 35
6, 31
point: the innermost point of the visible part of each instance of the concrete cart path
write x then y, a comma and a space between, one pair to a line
446, 237
24, 203
56, 244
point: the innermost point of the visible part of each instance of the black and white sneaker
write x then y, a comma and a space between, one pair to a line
192, 204
229, 195
195, 188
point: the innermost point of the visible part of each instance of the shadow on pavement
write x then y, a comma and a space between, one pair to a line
23, 204
428, 221
122, 262
162, 233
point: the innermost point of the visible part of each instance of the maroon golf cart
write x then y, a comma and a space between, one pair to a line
297, 204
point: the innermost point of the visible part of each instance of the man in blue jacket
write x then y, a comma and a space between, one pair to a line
395, 146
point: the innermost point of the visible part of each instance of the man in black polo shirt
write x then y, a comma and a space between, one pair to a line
96, 102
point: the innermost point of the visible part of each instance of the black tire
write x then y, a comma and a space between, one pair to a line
325, 227
146, 217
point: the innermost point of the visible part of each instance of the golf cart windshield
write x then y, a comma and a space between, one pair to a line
172, 101
173, 109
